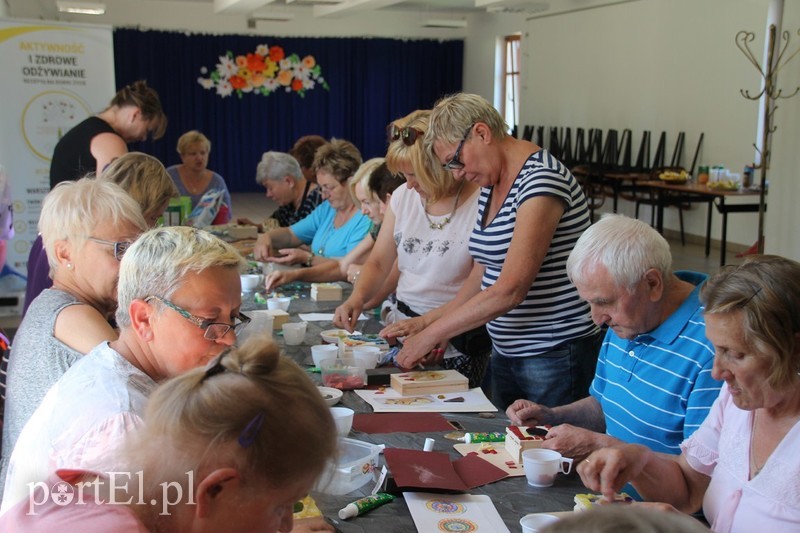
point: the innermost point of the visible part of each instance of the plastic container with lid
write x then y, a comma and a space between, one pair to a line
355, 465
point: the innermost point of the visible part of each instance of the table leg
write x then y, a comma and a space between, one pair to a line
708, 227
724, 230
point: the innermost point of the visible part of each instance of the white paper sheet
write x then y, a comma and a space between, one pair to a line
454, 512
323, 317
389, 401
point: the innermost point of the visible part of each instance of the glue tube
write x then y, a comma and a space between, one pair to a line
484, 437
365, 504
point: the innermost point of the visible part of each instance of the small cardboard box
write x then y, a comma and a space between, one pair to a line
429, 382
326, 292
279, 317
518, 440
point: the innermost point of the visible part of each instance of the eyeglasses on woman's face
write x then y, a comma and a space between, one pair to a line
120, 247
408, 134
455, 163
211, 330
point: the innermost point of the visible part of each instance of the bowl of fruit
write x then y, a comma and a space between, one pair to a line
343, 374
672, 176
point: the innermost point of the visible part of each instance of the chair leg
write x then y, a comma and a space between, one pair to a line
680, 218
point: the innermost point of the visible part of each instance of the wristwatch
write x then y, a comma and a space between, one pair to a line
310, 259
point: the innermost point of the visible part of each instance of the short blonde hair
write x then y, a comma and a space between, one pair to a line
73, 210
255, 411
453, 114
144, 178
434, 180
192, 137
158, 263
362, 176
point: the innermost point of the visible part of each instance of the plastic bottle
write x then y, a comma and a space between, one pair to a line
702, 176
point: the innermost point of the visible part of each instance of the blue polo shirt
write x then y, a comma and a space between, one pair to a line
656, 389
325, 240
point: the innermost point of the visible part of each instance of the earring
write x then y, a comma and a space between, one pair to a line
69, 266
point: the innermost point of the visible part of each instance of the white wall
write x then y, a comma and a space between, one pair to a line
660, 65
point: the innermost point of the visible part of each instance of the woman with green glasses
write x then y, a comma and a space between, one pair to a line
179, 296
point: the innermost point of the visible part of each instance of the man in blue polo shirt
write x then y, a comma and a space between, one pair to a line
653, 383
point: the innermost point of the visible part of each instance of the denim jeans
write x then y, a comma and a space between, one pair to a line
558, 377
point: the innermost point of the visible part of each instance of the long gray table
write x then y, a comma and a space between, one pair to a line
512, 496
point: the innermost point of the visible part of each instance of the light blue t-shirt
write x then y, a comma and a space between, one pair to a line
656, 389
326, 241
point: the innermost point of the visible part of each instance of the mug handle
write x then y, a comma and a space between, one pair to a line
568, 462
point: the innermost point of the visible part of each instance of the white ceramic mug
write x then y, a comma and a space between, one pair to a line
320, 352
367, 355
541, 466
294, 333
533, 523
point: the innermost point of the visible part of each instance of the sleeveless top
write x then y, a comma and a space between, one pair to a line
71, 156
36, 362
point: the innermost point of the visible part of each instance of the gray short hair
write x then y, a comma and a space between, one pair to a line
453, 114
73, 210
626, 247
159, 261
276, 165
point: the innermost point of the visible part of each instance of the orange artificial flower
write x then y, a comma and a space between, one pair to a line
241, 61
309, 61
297, 85
237, 82
285, 77
276, 53
255, 63
258, 79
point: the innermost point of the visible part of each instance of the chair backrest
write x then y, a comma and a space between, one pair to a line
643, 157
661, 151
677, 153
624, 150
567, 153
540, 135
527, 132
696, 153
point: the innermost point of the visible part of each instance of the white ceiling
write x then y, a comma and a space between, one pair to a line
46, 9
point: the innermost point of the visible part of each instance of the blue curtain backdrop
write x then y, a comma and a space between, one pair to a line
372, 81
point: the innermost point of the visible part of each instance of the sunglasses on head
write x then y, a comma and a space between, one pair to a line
408, 134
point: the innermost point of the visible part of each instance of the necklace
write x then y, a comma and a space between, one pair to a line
446, 221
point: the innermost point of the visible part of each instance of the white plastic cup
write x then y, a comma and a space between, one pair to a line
294, 333
320, 352
260, 324
368, 355
541, 466
250, 281
279, 302
343, 418
534, 523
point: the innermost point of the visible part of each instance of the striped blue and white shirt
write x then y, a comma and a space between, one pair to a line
552, 312
656, 389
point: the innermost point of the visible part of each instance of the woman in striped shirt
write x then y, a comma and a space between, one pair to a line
531, 212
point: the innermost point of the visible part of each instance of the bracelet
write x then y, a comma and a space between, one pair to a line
310, 259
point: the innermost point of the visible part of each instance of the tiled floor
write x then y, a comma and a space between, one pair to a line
257, 206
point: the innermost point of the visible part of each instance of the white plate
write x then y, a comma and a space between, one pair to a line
330, 395
333, 335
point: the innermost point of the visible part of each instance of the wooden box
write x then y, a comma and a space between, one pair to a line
326, 292
518, 440
279, 317
429, 382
